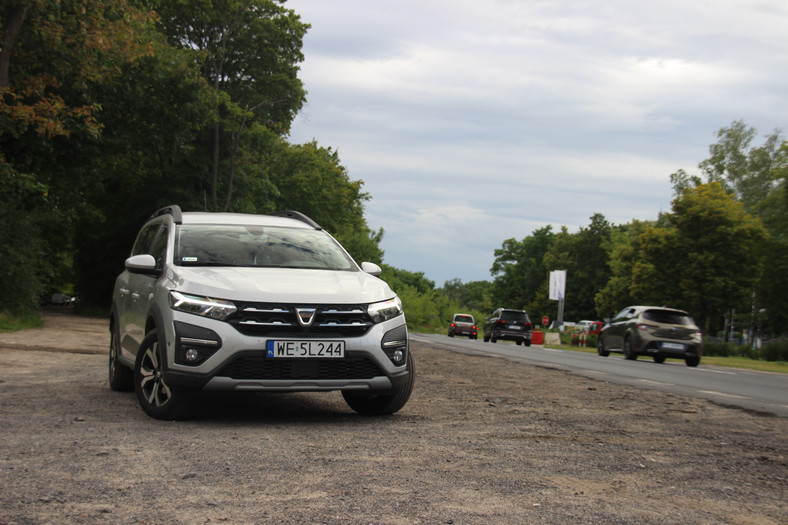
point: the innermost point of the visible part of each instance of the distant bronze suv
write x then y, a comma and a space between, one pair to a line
652, 330
463, 324
511, 325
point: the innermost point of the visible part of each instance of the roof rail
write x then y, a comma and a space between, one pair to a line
173, 210
298, 216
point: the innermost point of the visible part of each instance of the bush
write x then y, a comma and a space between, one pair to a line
776, 351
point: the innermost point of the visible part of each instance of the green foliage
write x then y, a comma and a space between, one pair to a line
13, 322
113, 109
774, 351
473, 296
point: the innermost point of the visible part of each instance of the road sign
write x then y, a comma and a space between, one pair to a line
545, 321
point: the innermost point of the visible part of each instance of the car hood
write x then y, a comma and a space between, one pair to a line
281, 285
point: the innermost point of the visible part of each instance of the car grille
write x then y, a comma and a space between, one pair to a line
333, 320
260, 367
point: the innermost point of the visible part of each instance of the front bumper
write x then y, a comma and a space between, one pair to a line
240, 362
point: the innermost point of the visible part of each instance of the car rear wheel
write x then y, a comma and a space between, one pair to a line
371, 404
121, 378
600, 348
157, 399
629, 352
692, 361
518, 343
486, 338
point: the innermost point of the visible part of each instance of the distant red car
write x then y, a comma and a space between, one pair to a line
595, 327
463, 324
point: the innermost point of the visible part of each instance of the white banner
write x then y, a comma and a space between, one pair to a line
557, 284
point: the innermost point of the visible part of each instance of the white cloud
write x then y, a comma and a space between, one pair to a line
510, 115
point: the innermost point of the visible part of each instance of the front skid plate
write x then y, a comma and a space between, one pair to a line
298, 385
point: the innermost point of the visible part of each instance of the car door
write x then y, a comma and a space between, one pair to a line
614, 333
139, 288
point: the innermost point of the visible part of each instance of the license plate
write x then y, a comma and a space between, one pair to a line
514, 327
301, 348
673, 346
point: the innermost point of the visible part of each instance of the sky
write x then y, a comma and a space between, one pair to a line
475, 122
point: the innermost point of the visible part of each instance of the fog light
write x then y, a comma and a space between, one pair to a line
398, 356
192, 355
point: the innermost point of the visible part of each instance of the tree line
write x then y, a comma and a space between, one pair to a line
110, 109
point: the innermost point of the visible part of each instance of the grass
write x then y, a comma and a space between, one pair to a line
780, 367
12, 323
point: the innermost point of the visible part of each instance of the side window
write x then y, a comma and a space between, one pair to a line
145, 240
159, 248
622, 314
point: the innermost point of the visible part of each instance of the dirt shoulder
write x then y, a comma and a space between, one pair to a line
482, 440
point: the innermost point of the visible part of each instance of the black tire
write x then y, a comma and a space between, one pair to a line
692, 361
600, 348
156, 398
486, 338
629, 352
518, 342
371, 404
121, 377
451, 334
659, 359
527, 342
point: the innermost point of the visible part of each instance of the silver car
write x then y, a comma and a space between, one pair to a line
235, 302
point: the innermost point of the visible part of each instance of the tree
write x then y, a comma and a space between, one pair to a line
584, 258
53, 54
755, 176
248, 51
519, 268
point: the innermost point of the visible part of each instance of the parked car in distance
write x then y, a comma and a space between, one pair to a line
267, 303
655, 331
463, 324
507, 324
594, 327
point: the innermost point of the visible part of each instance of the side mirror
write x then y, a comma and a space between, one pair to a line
144, 263
371, 268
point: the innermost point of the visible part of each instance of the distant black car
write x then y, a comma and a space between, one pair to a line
511, 325
463, 324
655, 331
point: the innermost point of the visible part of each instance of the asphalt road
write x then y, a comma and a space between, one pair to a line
762, 392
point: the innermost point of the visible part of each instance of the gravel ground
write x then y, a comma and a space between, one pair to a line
482, 440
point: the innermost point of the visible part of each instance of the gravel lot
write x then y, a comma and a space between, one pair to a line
482, 440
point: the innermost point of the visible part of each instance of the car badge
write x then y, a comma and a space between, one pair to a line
305, 316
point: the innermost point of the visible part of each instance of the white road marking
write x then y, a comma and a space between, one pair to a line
650, 382
715, 393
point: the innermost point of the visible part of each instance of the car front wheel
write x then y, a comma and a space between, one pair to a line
600, 348
371, 404
157, 399
629, 352
692, 361
659, 359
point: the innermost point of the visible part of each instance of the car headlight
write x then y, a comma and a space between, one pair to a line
385, 310
203, 306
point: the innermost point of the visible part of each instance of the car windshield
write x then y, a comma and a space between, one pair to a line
258, 246
463, 319
668, 317
513, 316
